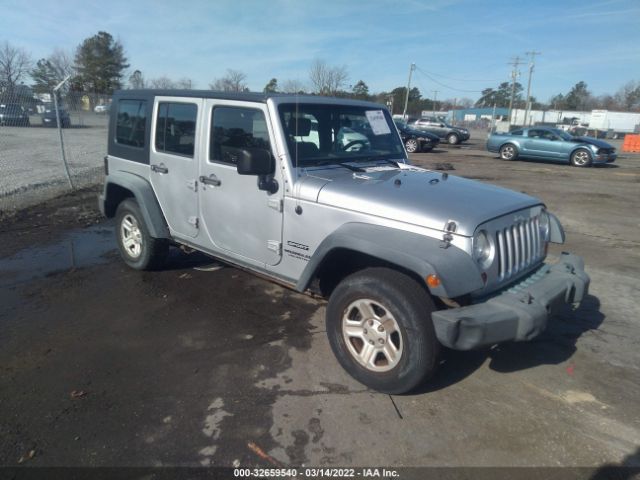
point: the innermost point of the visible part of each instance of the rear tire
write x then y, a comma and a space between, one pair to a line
137, 247
380, 330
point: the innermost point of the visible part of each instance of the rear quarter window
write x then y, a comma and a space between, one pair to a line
131, 123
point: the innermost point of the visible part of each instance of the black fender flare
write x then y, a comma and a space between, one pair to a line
417, 253
143, 192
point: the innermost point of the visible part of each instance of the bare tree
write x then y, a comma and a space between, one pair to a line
325, 79
62, 63
628, 96
185, 83
293, 86
465, 102
15, 64
164, 83
233, 81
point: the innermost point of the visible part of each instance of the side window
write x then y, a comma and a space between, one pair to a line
176, 128
131, 122
516, 132
234, 129
547, 135
534, 133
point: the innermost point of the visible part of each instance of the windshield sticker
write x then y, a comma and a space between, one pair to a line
382, 168
378, 123
411, 168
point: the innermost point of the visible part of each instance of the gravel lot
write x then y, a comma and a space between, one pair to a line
31, 159
104, 366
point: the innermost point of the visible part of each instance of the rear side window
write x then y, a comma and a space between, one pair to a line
516, 132
234, 129
131, 122
176, 128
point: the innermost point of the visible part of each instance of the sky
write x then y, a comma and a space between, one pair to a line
459, 46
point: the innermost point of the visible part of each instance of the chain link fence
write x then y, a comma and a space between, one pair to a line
44, 152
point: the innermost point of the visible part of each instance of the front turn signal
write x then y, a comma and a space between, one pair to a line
433, 281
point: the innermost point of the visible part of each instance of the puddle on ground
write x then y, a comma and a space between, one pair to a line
80, 248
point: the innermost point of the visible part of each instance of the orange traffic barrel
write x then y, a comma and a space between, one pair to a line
631, 144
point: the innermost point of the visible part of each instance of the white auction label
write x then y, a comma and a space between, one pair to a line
378, 123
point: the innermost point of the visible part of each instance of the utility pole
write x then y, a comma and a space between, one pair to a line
532, 57
435, 95
514, 76
453, 113
406, 98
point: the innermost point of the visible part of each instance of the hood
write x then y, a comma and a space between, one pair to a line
592, 141
419, 197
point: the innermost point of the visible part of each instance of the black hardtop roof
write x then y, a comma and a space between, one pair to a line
258, 97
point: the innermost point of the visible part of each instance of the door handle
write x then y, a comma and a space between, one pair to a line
210, 180
159, 168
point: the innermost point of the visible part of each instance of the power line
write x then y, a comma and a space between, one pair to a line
444, 85
487, 80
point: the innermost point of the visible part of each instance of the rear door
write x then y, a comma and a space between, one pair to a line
174, 161
238, 217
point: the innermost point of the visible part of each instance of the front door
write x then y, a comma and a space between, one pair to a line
541, 143
238, 217
174, 162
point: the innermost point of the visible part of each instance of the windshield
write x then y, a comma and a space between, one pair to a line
321, 134
562, 134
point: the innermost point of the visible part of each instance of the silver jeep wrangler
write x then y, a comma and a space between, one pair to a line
318, 195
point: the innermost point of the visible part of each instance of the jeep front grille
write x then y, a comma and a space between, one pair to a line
519, 247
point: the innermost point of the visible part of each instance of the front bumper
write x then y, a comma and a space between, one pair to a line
519, 313
605, 158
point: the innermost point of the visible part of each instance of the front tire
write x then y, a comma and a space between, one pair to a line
508, 152
581, 158
453, 139
380, 330
137, 247
412, 145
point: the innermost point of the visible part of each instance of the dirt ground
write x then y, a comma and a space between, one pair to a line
201, 364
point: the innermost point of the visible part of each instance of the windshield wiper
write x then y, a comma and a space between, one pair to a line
388, 160
342, 164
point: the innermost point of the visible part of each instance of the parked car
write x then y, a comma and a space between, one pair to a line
551, 144
405, 262
437, 126
49, 118
102, 108
13, 114
416, 140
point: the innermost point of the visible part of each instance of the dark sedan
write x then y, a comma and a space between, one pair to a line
13, 114
416, 140
49, 118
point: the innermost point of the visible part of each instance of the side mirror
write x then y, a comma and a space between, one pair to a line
255, 161
258, 161
441, 125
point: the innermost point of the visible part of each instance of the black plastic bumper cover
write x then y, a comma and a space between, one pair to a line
519, 313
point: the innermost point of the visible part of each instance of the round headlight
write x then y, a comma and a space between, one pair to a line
543, 225
481, 248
